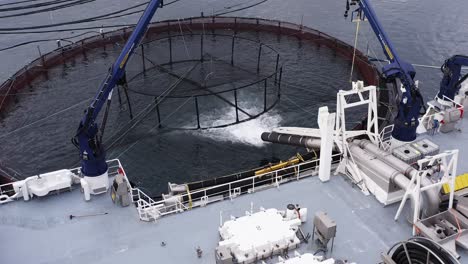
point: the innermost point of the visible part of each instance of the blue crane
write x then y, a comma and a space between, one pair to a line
87, 139
406, 121
452, 79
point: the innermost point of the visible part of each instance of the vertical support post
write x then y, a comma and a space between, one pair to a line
265, 95
235, 25
59, 46
120, 97
417, 202
232, 49
156, 101
42, 57
26, 72
143, 57
128, 101
201, 46
372, 117
170, 48
453, 176
336, 46
276, 67
259, 56
279, 82
235, 104
197, 111
276, 179
326, 122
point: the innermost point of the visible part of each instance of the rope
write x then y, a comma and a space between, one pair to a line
369, 48
8, 91
152, 129
298, 106
458, 224
44, 118
354, 51
183, 39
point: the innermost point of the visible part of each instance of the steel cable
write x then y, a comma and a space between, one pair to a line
8, 9
77, 2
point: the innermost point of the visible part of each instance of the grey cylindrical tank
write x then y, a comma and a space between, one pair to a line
379, 167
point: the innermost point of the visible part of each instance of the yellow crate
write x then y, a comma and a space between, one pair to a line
461, 182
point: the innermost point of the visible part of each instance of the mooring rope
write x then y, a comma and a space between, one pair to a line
45, 118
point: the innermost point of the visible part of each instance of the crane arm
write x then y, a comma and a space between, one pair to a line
452, 79
92, 154
406, 121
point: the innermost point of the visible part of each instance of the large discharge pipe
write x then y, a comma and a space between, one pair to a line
293, 140
376, 160
431, 195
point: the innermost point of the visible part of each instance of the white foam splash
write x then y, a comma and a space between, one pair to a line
248, 132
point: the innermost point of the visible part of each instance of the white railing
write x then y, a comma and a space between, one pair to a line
151, 210
385, 137
113, 166
427, 119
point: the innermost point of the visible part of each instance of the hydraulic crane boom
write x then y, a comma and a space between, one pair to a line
92, 153
406, 121
450, 83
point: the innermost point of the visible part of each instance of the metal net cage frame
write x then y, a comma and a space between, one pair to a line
269, 82
39, 67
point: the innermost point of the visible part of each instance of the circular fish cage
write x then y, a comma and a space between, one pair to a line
214, 82
197, 92
39, 67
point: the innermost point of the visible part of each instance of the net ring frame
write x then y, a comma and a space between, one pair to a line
275, 75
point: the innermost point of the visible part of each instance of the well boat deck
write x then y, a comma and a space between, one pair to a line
40, 231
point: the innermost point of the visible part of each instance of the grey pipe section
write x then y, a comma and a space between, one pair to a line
378, 166
387, 165
432, 195
293, 140
368, 161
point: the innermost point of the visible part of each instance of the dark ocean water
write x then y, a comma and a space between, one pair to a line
424, 32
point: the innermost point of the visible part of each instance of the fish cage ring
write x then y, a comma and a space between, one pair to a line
194, 54
221, 79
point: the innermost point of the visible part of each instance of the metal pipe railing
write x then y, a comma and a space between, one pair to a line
243, 186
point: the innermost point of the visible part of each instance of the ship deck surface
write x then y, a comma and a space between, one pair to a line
40, 231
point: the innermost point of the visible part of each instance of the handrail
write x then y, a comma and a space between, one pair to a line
150, 210
147, 206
